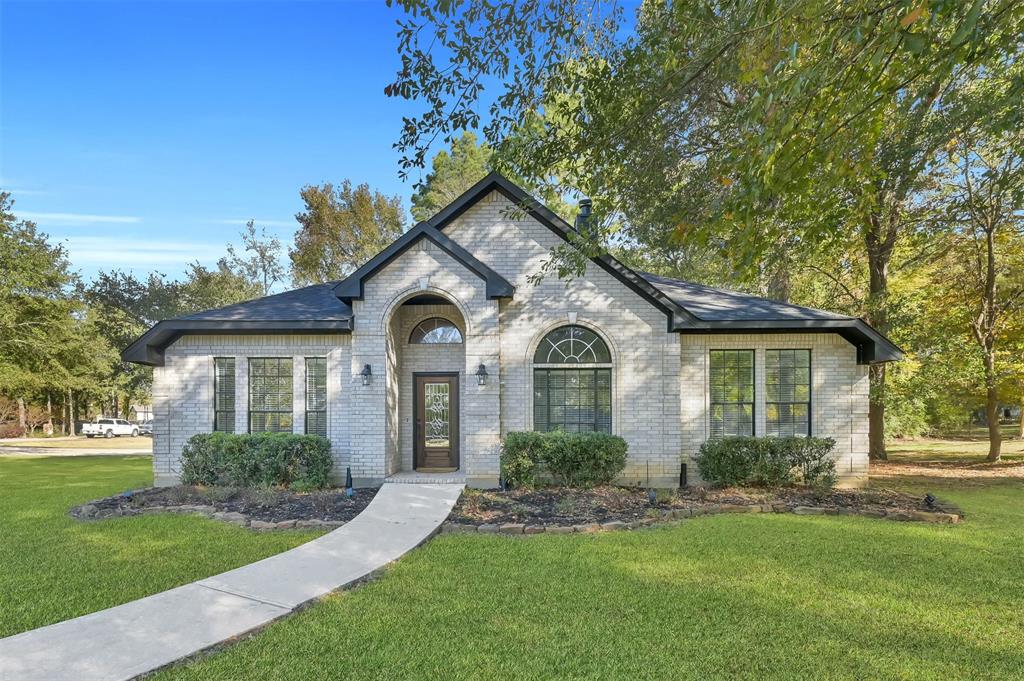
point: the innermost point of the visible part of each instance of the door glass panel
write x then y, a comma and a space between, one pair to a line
436, 414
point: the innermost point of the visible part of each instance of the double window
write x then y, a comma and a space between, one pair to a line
316, 396
787, 393
572, 382
224, 394
270, 394
787, 386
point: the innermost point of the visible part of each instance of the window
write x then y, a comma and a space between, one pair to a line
732, 392
434, 331
316, 396
577, 398
787, 384
572, 345
224, 394
270, 394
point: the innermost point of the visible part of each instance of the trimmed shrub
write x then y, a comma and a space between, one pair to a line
11, 430
571, 459
257, 460
767, 461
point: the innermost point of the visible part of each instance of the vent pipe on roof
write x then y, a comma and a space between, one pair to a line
584, 215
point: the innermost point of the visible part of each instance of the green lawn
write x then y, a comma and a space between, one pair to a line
732, 596
53, 568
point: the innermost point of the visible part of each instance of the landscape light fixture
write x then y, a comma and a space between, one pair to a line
481, 375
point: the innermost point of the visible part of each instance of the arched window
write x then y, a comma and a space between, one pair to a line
572, 382
435, 330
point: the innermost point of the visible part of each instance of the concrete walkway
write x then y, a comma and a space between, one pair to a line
137, 637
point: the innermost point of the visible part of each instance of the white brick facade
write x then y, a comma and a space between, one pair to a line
659, 378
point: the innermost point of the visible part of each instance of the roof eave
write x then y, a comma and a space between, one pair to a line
872, 347
149, 348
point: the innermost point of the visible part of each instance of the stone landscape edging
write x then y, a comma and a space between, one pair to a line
677, 514
233, 517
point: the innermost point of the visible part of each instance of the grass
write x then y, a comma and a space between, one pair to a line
732, 596
53, 568
123, 442
931, 449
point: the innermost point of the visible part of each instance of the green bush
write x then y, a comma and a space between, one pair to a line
257, 460
767, 461
571, 459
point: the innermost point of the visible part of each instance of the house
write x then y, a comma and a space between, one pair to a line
427, 355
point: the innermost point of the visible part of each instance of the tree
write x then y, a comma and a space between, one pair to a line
987, 206
452, 173
341, 228
260, 263
35, 304
706, 119
207, 288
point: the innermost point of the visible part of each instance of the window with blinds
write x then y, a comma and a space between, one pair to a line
224, 394
573, 400
270, 394
316, 396
732, 392
787, 388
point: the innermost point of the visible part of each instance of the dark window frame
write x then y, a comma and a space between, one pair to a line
320, 406
413, 340
810, 391
753, 394
290, 412
542, 400
600, 374
217, 408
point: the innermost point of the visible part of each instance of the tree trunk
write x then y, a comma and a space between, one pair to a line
879, 243
995, 438
21, 413
1020, 428
73, 410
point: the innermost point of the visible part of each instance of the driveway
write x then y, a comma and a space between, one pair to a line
77, 446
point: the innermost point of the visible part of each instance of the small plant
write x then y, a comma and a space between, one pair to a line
571, 459
767, 461
219, 495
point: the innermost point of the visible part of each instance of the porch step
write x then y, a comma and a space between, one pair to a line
421, 478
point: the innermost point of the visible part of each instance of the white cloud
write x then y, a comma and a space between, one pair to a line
78, 218
102, 252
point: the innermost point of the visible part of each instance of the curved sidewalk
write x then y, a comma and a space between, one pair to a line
143, 635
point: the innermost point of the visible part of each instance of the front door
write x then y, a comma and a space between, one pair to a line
437, 422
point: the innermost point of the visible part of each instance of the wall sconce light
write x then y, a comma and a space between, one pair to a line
481, 375
366, 373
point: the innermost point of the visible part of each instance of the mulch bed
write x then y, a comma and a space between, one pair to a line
329, 507
568, 507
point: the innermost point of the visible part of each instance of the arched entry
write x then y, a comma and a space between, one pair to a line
427, 358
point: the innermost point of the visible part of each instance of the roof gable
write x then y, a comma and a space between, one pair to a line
352, 287
677, 316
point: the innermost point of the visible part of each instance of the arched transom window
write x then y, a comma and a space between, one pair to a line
572, 382
572, 345
435, 330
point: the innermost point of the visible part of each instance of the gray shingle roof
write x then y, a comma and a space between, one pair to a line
689, 307
716, 304
316, 302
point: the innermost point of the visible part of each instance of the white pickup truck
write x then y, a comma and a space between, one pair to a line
109, 428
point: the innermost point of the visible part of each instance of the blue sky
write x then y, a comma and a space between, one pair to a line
145, 134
